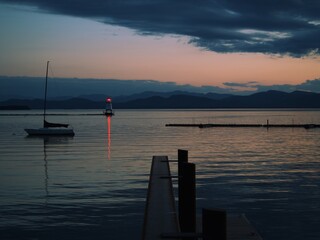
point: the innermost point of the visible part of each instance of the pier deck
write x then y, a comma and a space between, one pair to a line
160, 214
239, 228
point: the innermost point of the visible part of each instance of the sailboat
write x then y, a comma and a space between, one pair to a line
55, 129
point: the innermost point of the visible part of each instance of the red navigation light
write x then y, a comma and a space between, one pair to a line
108, 100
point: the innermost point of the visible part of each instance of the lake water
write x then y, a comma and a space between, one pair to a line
94, 185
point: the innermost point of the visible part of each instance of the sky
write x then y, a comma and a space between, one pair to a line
224, 43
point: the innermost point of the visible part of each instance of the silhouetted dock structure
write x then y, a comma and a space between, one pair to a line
160, 214
163, 221
213, 125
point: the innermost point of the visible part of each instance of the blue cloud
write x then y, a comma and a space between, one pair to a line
273, 27
250, 87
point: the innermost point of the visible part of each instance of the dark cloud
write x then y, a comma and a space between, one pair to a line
273, 27
250, 87
234, 84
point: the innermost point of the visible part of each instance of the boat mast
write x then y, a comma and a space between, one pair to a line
45, 95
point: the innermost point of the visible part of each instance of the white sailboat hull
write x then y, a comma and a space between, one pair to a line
50, 131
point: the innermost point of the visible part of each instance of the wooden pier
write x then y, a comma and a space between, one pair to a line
160, 213
213, 125
163, 221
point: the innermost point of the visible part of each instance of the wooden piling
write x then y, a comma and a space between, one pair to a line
187, 198
214, 224
182, 158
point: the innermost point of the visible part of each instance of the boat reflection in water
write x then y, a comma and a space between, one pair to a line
54, 141
47, 142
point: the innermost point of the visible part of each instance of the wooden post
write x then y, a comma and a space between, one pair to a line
182, 158
187, 198
214, 224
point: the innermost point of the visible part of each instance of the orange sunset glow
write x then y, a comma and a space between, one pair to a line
83, 48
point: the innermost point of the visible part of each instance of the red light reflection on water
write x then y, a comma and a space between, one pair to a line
109, 136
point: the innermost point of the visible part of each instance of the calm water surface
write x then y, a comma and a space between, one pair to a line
93, 185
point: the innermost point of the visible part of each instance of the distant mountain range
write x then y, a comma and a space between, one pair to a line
177, 99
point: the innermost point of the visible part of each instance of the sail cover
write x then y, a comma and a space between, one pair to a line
53, 125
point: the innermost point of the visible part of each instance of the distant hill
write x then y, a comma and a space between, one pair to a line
149, 94
23, 87
174, 101
269, 99
14, 107
180, 99
275, 99
73, 103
